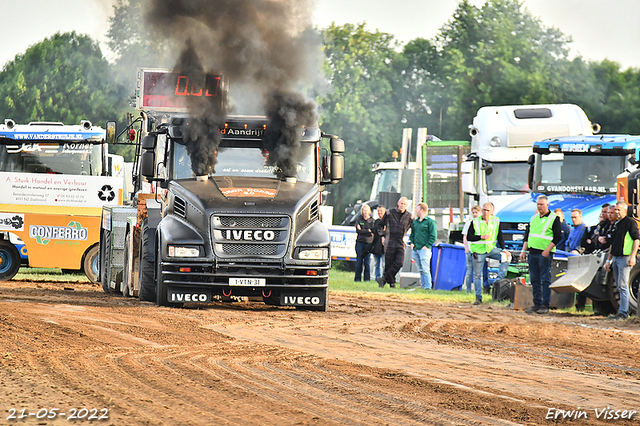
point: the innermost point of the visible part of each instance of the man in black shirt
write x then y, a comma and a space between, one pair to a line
398, 222
624, 238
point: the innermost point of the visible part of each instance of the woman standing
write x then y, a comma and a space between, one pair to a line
364, 228
378, 244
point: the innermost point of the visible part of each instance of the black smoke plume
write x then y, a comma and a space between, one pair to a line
206, 116
265, 45
288, 113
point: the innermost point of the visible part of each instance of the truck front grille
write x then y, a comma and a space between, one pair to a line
250, 249
232, 222
249, 238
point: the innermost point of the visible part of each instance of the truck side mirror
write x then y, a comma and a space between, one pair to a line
337, 146
149, 142
337, 168
111, 132
176, 132
488, 169
467, 177
530, 178
147, 164
531, 161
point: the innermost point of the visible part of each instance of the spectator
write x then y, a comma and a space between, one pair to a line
485, 236
590, 239
540, 238
624, 239
605, 239
397, 222
468, 278
423, 235
378, 244
565, 228
575, 237
364, 229
591, 244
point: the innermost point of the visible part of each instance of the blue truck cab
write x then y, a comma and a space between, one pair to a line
574, 172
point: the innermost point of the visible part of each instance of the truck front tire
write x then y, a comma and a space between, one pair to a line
126, 291
147, 289
105, 264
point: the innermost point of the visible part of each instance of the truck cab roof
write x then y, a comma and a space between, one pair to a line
596, 144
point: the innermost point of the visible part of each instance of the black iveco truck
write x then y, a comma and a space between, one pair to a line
246, 228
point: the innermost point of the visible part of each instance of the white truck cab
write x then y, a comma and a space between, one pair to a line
502, 138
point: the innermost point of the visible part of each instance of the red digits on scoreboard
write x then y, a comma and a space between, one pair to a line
216, 82
182, 87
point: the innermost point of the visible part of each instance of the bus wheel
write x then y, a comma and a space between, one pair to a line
147, 286
9, 260
91, 263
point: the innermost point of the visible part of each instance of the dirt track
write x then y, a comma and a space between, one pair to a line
373, 361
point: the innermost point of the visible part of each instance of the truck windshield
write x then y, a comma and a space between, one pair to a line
388, 181
247, 159
580, 173
69, 158
508, 177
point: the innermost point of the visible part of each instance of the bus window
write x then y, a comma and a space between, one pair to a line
75, 158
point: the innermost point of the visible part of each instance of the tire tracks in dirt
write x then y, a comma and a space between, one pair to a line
365, 361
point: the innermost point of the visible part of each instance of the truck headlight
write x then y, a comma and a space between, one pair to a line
314, 254
180, 251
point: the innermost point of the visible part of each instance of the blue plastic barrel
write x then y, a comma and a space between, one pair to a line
448, 266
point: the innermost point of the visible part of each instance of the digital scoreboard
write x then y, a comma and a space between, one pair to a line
164, 90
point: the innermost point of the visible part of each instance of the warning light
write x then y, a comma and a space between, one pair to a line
132, 135
394, 155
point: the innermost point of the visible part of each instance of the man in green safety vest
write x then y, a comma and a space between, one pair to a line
624, 239
540, 238
484, 237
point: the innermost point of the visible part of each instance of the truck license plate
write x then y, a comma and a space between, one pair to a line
248, 282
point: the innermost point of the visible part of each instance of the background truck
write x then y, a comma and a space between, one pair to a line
501, 142
248, 228
433, 178
576, 172
54, 180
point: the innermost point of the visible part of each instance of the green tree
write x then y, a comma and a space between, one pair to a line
134, 43
609, 96
495, 55
63, 78
360, 105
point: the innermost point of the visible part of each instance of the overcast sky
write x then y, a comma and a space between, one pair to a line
600, 28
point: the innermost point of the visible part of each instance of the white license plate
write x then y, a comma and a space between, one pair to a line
248, 282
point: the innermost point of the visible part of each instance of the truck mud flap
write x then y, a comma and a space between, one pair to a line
302, 298
579, 275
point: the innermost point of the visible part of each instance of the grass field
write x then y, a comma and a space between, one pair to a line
49, 274
342, 281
